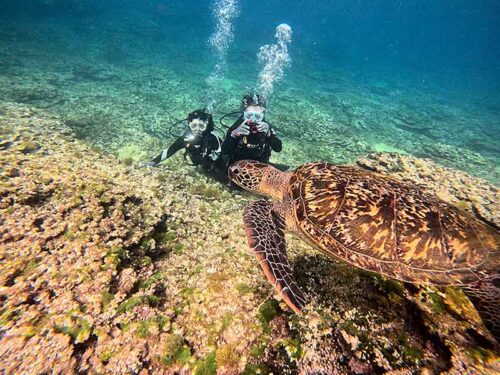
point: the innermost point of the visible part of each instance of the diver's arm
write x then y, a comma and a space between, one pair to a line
275, 142
230, 142
165, 154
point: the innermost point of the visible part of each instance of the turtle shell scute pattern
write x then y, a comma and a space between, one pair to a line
389, 227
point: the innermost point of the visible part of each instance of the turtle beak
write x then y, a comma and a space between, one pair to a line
233, 172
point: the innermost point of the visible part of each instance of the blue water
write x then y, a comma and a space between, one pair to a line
430, 67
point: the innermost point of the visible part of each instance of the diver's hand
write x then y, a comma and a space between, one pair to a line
243, 129
263, 127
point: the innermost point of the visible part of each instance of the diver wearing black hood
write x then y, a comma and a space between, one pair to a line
250, 137
201, 145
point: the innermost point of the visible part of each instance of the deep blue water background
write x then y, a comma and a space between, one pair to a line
454, 43
447, 51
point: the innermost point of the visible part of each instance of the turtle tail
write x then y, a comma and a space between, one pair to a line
485, 295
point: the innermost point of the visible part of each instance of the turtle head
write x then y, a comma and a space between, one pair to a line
258, 178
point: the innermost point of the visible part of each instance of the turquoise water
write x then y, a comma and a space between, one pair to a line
367, 76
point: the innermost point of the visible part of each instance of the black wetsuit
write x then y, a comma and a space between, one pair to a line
254, 146
204, 151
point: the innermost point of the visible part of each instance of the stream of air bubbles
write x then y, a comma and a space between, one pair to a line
275, 59
224, 12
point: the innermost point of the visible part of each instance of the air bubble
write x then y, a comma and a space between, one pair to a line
224, 12
275, 59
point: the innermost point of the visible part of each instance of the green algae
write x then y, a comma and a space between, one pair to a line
125, 326
145, 243
115, 255
106, 298
144, 327
206, 190
69, 235
259, 349
411, 352
458, 302
6, 316
162, 322
162, 178
293, 348
256, 370
178, 249
128, 161
243, 288
106, 355
393, 286
80, 331
187, 292
483, 355
206, 366
230, 251
350, 328
151, 300
145, 261
166, 236
268, 311
129, 304
158, 276
226, 320
176, 351
438, 305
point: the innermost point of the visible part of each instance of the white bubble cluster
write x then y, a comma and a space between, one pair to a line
224, 12
275, 58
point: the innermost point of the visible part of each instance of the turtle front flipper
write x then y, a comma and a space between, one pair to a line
266, 237
485, 295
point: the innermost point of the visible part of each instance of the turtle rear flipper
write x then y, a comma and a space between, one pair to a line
485, 295
266, 238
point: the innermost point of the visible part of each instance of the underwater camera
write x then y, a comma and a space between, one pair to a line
255, 138
253, 127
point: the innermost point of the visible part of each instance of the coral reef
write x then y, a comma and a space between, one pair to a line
110, 268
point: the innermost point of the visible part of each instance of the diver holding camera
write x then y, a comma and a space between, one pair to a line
200, 144
250, 137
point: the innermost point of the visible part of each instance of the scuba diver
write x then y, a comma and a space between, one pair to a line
200, 144
250, 137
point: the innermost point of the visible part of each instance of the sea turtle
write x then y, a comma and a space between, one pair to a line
373, 222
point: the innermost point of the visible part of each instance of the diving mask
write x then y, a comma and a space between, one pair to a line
254, 116
198, 126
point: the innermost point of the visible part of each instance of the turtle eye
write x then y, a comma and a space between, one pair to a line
496, 282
